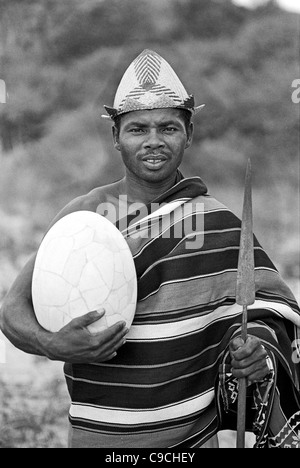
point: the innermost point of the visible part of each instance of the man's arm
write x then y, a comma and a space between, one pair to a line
73, 343
17, 318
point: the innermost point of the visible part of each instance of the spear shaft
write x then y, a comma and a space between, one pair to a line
245, 292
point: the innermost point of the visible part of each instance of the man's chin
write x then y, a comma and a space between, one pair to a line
154, 166
158, 176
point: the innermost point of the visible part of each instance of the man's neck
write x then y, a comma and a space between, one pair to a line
144, 192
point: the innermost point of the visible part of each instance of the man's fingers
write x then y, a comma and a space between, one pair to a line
246, 349
92, 347
260, 367
259, 355
89, 318
103, 335
111, 334
249, 360
257, 376
117, 339
109, 341
111, 356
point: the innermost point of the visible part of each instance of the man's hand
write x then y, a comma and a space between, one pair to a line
249, 359
74, 343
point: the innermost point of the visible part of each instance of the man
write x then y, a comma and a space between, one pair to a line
172, 380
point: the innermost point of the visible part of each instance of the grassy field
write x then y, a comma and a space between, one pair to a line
34, 402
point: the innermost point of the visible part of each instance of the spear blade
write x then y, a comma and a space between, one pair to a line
245, 286
245, 292
2, 92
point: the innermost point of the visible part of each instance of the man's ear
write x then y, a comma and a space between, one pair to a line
189, 135
116, 138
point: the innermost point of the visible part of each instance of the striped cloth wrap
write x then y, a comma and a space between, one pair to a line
170, 385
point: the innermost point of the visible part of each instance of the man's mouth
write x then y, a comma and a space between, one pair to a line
154, 162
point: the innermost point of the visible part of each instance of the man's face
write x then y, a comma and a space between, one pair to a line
152, 143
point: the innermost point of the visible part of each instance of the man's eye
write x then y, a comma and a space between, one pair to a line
136, 130
170, 129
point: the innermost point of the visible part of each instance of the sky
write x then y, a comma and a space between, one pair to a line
292, 5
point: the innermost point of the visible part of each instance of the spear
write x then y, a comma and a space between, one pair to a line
245, 292
2, 92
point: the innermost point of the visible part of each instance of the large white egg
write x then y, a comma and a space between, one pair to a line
83, 264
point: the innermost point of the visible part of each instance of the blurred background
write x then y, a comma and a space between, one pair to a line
61, 61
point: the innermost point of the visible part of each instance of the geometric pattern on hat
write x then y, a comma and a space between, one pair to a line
150, 83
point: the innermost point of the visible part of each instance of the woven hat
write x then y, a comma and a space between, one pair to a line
150, 83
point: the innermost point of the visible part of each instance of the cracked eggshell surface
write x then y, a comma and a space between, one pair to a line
83, 264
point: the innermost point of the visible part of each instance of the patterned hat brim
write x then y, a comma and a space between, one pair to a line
113, 113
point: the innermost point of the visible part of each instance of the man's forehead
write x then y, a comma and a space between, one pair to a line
153, 115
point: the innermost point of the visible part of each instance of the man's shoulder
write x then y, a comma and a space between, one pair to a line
89, 201
216, 214
211, 204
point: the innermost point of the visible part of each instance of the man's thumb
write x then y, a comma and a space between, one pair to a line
236, 343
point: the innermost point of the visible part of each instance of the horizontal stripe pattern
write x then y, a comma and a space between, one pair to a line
91, 435
159, 390
119, 417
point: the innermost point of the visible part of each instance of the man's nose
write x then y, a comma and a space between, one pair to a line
154, 139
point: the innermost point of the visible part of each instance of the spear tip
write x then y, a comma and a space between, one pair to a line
245, 287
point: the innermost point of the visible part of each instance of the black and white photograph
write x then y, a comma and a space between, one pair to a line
149, 226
